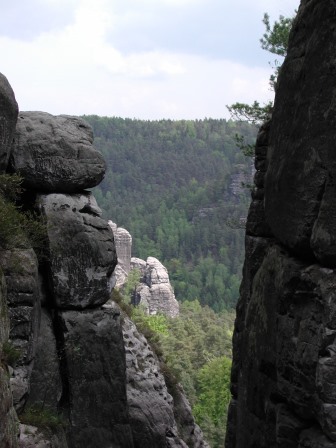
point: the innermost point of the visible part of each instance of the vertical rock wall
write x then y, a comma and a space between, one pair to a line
284, 366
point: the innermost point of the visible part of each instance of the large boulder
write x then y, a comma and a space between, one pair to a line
55, 153
82, 253
8, 117
300, 181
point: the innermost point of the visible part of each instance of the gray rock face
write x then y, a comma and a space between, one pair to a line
82, 252
284, 365
123, 244
155, 292
20, 267
157, 419
300, 191
150, 404
94, 362
32, 437
55, 153
8, 418
8, 118
46, 386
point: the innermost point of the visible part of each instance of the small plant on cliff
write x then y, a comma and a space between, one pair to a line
42, 417
10, 354
274, 40
18, 228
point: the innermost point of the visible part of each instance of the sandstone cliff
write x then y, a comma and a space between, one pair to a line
154, 291
284, 368
76, 362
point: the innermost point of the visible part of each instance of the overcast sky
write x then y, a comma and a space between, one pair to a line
148, 59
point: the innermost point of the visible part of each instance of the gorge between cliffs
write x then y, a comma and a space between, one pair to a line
67, 346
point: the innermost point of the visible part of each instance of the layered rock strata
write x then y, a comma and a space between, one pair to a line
283, 387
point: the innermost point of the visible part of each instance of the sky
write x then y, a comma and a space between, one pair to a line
145, 59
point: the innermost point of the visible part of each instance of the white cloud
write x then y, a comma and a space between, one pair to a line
77, 70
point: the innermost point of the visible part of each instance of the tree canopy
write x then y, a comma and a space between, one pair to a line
275, 40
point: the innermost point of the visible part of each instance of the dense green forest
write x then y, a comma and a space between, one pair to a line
176, 187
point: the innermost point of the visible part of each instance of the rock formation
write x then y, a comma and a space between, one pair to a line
55, 153
76, 357
123, 245
284, 366
154, 292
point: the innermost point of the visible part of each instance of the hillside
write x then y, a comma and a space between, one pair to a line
176, 186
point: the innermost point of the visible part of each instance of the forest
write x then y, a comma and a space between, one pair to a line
181, 188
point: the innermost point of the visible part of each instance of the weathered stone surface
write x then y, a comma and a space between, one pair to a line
31, 437
139, 264
94, 371
189, 430
8, 118
299, 194
82, 252
20, 268
150, 404
123, 244
55, 153
8, 418
155, 292
157, 419
45, 379
284, 365
286, 354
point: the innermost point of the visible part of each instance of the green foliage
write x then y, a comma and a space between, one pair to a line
195, 337
10, 354
156, 323
18, 228
130, 285
42, 417
213, 397
126, 307
195, 348
169, 184
252, 113
275, 38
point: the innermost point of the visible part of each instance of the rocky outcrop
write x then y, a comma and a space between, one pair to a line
81, 250
147, 394
283, 387
20, 268
75, 365
159, 415
8, 119
8, 418
154, 292
123, 245
55, 154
